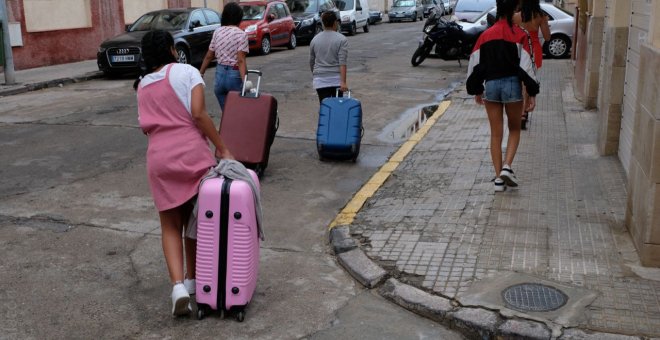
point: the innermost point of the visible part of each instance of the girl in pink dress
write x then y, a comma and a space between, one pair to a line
172, 113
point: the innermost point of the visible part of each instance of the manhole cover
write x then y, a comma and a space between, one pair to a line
534, 297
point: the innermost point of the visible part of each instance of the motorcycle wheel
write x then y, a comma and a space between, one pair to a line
421, 53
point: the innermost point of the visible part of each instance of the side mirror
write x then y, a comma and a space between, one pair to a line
271, 17
194, 24
127, 27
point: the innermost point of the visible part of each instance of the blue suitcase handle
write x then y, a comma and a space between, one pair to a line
337, 93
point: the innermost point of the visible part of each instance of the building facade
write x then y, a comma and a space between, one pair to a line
617, 59
50, 32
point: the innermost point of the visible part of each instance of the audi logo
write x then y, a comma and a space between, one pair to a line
122, 51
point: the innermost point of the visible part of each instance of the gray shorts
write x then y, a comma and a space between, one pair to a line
503, 90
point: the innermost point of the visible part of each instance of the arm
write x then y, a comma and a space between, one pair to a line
204, 123
208, 58
242, 64
545, 28
343, 85
312, 57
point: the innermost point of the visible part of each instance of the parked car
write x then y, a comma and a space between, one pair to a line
268, 24
375, 16
561, 25
406, 10
307, 16
561, 29
354, 15
469, 10
192, 29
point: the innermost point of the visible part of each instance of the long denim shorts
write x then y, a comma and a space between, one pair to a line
503, 90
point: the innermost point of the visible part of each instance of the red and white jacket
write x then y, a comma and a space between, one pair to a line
501, 51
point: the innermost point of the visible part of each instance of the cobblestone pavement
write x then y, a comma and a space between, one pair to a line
437, 224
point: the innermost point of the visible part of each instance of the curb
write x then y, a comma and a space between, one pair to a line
475, 322
50, 83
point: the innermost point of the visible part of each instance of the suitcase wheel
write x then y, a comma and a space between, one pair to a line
240, 316
202, 311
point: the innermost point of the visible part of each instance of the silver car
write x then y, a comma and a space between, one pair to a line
406, 10
561, 25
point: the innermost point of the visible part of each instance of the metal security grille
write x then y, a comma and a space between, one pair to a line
533, 297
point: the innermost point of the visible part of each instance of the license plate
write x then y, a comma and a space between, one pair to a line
122, 58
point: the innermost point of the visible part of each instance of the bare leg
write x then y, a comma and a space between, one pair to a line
496, 120
171, 225
513, 114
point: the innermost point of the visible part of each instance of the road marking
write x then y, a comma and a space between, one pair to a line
347, 214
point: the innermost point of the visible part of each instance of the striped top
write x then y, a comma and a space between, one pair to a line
226, 42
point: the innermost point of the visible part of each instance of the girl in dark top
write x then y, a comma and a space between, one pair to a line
499, 62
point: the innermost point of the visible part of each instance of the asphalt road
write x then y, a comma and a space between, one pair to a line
80, 252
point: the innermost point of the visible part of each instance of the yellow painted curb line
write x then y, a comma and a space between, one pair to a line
347, 215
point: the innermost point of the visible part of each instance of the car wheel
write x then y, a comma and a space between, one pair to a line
353, 29
415, 17
558, 47
292, 41
366, 28
265, 45
182, 55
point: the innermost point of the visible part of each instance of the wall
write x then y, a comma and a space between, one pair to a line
594, 40
65, 45
133, 9
612, 75
51, 36
643, 207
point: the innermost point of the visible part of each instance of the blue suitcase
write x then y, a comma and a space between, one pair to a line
339, 131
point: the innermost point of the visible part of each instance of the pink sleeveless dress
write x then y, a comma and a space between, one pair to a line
178, 155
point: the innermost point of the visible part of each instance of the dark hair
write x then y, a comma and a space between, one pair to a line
156, 52
232, 14
329, 18
505, 10
530, 9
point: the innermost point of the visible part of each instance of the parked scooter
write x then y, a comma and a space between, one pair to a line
450, 40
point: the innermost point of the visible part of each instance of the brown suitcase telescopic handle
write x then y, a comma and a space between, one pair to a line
259, 74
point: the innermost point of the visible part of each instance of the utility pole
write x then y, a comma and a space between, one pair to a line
10, 79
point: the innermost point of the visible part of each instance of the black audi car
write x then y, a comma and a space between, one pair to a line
307, 17
192, 29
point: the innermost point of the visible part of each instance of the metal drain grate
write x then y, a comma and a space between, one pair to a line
534, 297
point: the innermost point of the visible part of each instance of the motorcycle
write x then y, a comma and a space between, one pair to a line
450, 40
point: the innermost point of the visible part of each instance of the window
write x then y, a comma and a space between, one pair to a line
281, 11
197, 16
273, 11
212, 17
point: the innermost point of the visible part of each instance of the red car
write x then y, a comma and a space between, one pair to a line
268, 24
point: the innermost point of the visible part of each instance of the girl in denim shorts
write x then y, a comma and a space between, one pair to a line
499, 64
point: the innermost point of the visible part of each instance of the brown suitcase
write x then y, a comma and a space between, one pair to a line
248, 125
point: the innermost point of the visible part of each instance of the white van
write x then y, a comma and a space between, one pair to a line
354, 14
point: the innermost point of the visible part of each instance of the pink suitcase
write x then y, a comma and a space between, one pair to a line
227, 246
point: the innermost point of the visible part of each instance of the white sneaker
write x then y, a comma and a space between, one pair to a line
508, 177
190, 286
499, 185
180, 299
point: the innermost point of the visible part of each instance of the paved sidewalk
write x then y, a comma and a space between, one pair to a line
49, 76
437, 225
